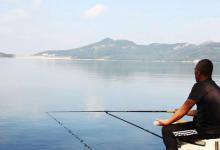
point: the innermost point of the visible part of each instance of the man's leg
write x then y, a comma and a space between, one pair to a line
172, 132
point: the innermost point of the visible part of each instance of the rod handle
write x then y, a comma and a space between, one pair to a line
172, 110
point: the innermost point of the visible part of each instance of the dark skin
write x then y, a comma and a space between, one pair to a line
188, 104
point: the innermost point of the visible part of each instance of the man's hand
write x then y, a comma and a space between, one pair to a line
183, 110
162, 122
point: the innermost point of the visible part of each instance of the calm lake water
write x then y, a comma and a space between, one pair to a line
31, 87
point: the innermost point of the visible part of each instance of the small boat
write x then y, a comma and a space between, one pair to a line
205, 144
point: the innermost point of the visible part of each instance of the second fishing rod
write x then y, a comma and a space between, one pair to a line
119, 111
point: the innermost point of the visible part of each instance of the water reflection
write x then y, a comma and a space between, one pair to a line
126, 68
30, 87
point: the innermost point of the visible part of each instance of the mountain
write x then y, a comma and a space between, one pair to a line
6, 55
128, 50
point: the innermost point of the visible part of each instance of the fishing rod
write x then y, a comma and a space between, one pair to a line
126, 111
109, 112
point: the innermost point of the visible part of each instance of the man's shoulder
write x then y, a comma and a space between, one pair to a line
197, 85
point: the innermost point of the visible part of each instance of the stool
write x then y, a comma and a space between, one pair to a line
204, 144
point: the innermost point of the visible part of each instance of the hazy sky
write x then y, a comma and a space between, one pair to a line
36, 25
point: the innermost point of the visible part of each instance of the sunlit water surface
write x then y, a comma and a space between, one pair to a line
31, 87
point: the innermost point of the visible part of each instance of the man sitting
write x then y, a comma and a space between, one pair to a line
206, 123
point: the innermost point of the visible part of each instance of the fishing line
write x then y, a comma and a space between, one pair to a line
108, 113
70, 132
148, 131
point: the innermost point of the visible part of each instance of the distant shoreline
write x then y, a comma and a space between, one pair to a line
125, 50
130, 60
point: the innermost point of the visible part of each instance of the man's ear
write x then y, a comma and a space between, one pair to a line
198, 72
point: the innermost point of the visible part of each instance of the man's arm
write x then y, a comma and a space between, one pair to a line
183, 110
191, 113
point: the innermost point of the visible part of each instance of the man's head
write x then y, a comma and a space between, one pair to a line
203, 70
